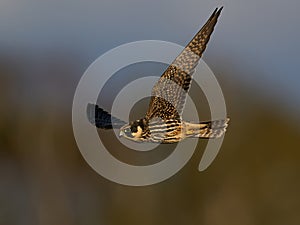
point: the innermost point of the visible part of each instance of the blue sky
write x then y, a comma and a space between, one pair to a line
255, 42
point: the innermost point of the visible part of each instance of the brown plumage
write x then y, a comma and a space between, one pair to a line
163, 121
178, 76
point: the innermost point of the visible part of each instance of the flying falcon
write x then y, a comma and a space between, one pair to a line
163, 121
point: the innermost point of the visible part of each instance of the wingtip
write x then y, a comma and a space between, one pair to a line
219, 10
91, 112
216, 13
90, 104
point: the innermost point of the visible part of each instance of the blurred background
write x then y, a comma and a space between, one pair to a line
45, 47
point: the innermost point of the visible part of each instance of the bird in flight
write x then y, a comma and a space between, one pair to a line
163, 121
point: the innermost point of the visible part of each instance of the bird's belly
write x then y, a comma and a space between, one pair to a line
172, 136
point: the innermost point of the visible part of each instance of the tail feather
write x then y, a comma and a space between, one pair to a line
212, 129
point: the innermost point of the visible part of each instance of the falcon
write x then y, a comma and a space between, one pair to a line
163, 121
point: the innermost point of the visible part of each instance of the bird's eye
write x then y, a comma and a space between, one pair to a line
127, 131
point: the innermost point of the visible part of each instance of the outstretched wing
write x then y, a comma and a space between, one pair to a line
169, 93
102, 119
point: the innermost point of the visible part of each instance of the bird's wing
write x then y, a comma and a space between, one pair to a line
169, 93
102, 119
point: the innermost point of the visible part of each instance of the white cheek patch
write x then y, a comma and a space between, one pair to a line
138, 133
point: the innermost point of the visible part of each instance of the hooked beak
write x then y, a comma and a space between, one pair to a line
121, 133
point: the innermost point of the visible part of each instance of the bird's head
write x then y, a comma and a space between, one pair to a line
134, 130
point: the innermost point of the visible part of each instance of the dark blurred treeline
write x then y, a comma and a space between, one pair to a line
44, 179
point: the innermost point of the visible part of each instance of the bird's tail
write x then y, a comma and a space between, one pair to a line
209, 129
